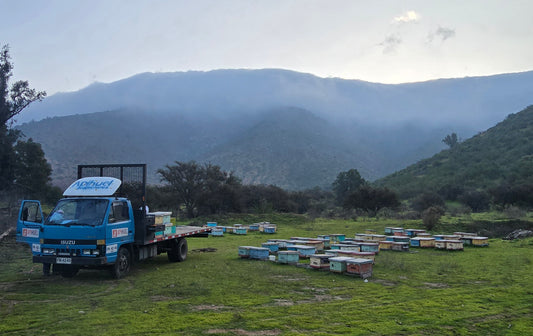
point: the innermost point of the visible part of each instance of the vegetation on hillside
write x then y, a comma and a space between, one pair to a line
494, 165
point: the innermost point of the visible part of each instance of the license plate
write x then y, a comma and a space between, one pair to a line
63, 260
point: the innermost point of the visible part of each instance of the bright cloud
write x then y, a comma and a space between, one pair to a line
409, 16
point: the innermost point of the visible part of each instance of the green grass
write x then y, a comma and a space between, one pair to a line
485, 291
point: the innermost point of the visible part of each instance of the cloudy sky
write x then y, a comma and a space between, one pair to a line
64, 45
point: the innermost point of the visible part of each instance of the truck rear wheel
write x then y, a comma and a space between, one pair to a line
122, 264
178, 250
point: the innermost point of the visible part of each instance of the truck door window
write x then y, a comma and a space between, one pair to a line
119, 212
31, 213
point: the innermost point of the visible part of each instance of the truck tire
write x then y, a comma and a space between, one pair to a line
68, 271
122, 264
178, 250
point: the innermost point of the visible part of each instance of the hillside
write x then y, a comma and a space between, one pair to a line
287, 147
247, 121
503, 153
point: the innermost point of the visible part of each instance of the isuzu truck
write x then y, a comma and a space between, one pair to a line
102, 222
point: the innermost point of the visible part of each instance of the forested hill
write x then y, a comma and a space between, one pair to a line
270, 126
501, 155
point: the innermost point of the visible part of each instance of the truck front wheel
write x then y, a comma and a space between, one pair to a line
122, 264
178, 250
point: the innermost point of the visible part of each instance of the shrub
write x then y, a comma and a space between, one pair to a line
431, 217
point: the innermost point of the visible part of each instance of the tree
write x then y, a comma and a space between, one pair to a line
372, 199
200, 188
32, 171
347, 183
12, 101
451, 140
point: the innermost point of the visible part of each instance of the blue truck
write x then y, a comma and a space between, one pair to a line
102, 222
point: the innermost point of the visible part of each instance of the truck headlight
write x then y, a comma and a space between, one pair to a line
49, 251
88, 252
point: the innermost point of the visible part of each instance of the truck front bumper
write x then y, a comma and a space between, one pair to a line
70, 260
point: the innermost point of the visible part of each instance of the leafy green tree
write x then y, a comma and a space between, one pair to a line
32, 171
372, 199
200, 188
451, 140
12, 101
347, 183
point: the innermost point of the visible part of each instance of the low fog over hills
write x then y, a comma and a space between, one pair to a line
269, 126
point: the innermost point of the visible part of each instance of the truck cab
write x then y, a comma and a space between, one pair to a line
88, 227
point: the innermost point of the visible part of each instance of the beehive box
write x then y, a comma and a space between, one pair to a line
400, 246
363, 236
253, 227
369, 247
303, 250
398, 231
319, 261
338, 264
424, 235
260, 253
244, 251
480, 241
465, 234
402, 239
337, 237
427, 242
169, 230
346, 247
334, 253
269, 229
211, 224
282, 243
273, 247
230, 229
438, 237
361, 267
385, 245
454, 245
414, 232
440, 244
466, 240
378, 238
160, 217
288, 257
217, 232
415, 242
240, 230
388, 230
355, 254
317, 244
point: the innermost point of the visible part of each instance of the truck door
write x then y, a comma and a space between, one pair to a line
29, 224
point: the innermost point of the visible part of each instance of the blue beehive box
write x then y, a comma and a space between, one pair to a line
244, 251
273, 247
211, 224
288, 257
415, 242
260, 253
217, 232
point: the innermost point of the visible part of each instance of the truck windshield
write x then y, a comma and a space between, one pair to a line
78, 212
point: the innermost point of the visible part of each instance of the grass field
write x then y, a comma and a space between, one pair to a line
480, 291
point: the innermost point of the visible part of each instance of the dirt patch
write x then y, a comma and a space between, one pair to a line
209, 307
384, 282
435, 285
244, 332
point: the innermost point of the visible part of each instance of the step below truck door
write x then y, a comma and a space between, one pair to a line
30, 224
